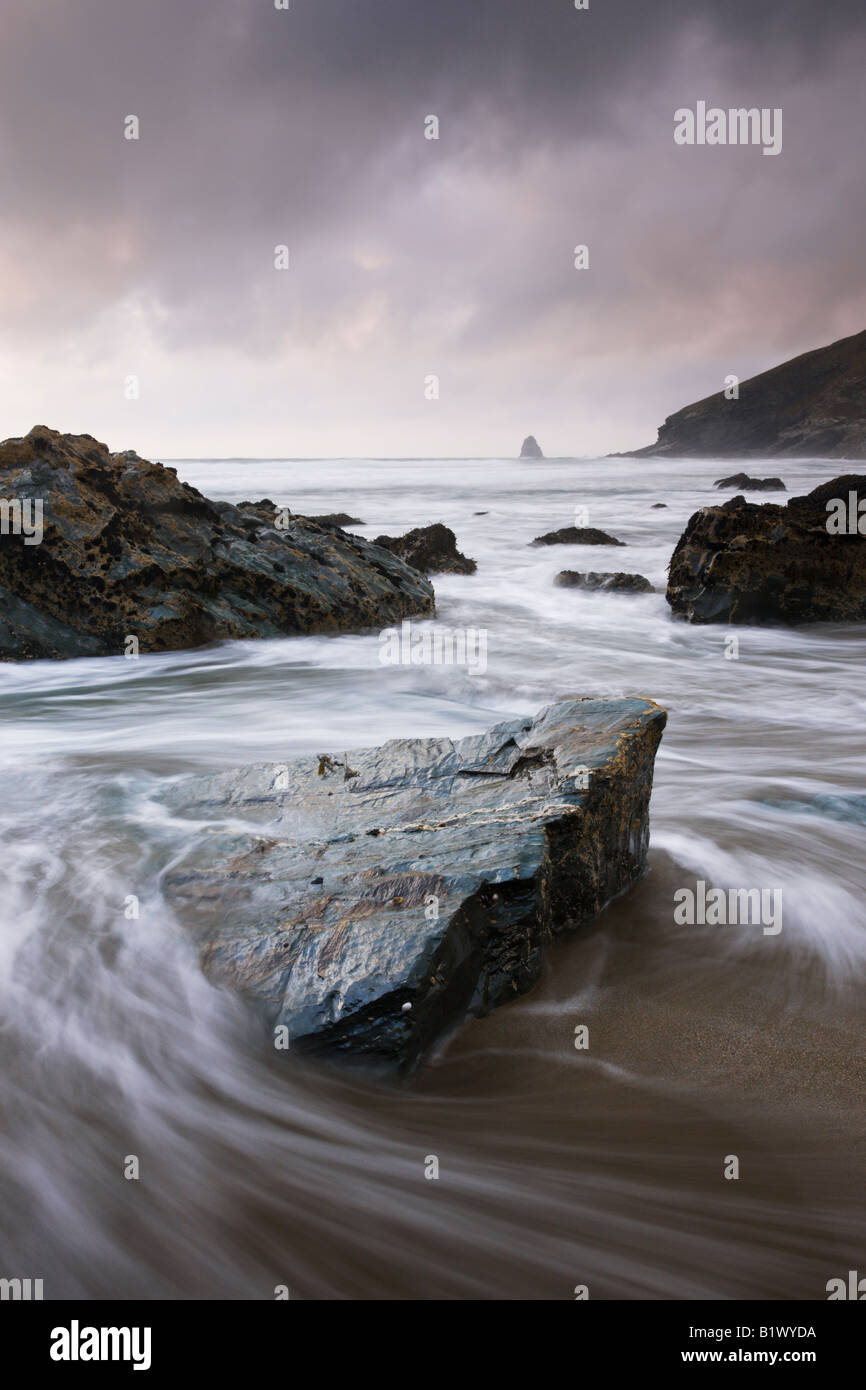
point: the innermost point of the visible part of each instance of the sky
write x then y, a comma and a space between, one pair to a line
140, 298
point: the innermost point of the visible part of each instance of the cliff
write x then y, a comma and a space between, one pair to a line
811, 407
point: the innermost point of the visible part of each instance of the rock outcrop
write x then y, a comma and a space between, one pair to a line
577, 535
369, 901
745, 562
618, 583
129, 551
813, 406
530, 448
429, 549
742, 480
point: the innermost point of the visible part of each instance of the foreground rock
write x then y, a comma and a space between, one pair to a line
430, 550
577, 535
128, 551
378, 898
813, 406
531, 448
742, 480
611, 583
744, 562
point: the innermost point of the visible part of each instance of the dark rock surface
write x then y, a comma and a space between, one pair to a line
128, 549
813, 406
745, 562
658, 505
577, 535
612, 583
429, 549
340, 519
742, 480
531, 449
336, 890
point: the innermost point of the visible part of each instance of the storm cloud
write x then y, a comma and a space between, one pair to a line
412, 257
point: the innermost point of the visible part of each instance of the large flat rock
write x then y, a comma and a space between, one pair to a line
128, 550
335, 890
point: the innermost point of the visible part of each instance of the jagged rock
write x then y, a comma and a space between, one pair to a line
577, 535
742, 480
425, 873
530, 448
339, 519
612, 583
813, 406
430, 550
745, 562
128, 550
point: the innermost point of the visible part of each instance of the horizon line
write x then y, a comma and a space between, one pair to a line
384, 458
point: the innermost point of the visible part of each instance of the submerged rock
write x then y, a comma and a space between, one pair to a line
613, 583
340, 519
742, 480
745, 562
577, 535
429, 549
847, 807
335, 890
128, 551
531, 448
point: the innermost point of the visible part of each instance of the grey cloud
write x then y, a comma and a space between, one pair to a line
260, 127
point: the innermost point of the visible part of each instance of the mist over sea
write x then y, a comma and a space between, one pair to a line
558, 1167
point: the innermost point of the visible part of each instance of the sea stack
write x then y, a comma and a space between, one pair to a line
531, 448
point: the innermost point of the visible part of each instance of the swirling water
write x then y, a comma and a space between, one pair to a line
557, 1166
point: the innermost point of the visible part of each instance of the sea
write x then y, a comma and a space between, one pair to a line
153, 1146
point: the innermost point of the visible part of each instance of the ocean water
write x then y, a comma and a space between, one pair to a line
557, 1167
